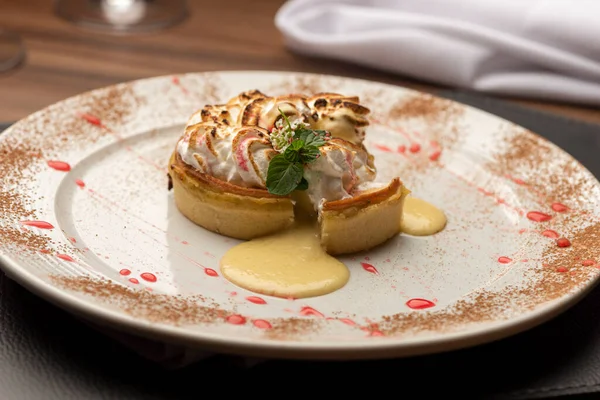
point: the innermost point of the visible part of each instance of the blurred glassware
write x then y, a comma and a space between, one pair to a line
12, 50
123, 16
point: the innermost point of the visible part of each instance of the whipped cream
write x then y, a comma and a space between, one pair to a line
239, 155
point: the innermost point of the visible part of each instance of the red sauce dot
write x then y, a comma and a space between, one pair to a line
376, 333
147, 276
504, 260
558, 207
550, 233
134, 281
563, 242
256, 300
45, 251
59, 165
369, 268
261, 324
415, 148
91, 119
124, 272
80, 183
537, 216
402, 149
588, 263
210, 272
419, 304
348, 321
561, 269
435, 155
65, 257
236, 319
310, 311
38, 224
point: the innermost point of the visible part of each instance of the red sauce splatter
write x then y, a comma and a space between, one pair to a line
256, 300
369, 268
306, 311
588, 263
558, 207
59, 165
124, 272
92, 119
44, 251
38, 224
261, 324
561, 269
517, 181
80, 183
65, 257
348, 321
382, 147
504, 260
134, 281
435, 155
185, 242
419, 304
236, 319
210, 272
402, 149
233, 293
563, 242
376, 333
550, 234
147, 276
415, 148
537, 216
175, 80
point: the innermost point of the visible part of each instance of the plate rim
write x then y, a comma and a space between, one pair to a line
293, 349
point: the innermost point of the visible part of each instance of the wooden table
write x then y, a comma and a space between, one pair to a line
64, 60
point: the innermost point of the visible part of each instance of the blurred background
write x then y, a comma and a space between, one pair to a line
50, 50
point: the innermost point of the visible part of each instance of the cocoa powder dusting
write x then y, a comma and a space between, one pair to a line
430, 108
291, 328
560, 271
305, 84
557, 178
37, 139
175, 310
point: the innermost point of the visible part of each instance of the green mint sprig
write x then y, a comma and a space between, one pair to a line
286, 170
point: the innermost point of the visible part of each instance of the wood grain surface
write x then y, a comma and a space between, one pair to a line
65, 60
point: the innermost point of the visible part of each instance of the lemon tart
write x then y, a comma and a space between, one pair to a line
221, 170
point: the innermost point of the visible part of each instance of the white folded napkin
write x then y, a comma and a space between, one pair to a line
545, 49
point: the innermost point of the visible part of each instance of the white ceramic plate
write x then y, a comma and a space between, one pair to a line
93, 169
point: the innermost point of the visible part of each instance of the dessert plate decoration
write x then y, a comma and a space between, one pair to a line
89, 223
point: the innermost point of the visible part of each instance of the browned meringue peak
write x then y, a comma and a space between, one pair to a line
235, 154
343, 116
227, 113
265, 112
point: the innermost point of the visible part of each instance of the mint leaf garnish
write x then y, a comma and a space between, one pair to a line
298, 146
283, 176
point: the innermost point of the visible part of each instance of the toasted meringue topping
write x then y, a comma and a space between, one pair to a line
239, 155
266, 111
231, 141
343, 116
338, 172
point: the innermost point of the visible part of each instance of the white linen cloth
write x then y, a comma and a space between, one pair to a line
544, 49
